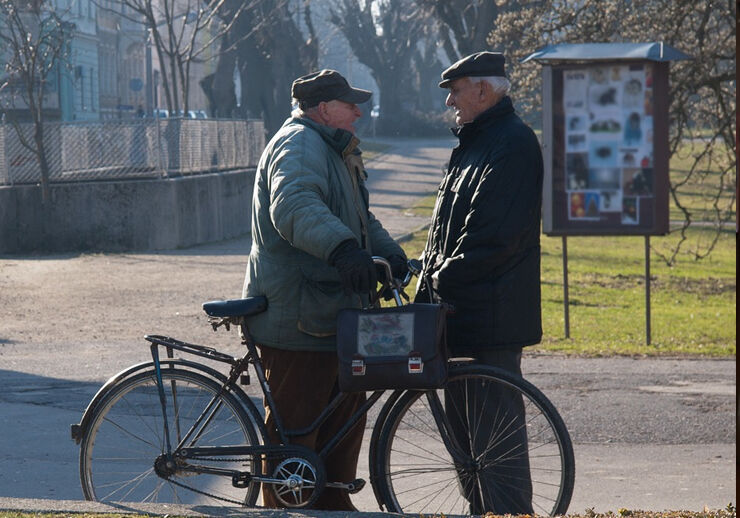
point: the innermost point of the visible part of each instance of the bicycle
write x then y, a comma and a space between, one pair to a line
177, 430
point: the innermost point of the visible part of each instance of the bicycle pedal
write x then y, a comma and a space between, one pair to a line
241, 479
355, 486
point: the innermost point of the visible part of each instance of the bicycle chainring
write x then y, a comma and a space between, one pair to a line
301, 483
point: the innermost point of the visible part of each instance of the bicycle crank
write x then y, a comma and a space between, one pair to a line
352, 487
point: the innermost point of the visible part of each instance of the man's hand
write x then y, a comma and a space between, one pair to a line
355, 266
399, 266
399, 269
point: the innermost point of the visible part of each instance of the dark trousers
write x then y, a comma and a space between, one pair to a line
493, 416
302, 384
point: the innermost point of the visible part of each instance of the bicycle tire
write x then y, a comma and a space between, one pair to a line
125, 436
416, 473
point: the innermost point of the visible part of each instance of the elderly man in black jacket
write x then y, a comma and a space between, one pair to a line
483, 258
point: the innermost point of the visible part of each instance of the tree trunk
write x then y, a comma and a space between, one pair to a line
263, 94
392, 120
222, 85
38, 137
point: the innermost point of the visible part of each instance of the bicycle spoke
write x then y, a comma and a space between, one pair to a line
425, 450
120, 448
131, 485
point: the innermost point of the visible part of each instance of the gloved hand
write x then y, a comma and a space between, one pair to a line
355, 266
399, 269
399, 266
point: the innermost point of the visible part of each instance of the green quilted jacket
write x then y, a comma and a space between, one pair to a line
309, 196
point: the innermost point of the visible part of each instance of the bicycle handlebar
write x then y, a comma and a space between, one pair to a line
396, 285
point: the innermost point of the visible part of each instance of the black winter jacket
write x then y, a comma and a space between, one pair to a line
483, 251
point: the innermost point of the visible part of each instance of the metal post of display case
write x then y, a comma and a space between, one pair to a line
647, 289
566, 311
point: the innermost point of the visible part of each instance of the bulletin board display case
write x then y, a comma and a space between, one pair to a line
605, 141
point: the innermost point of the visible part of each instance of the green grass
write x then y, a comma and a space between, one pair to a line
692, 303
698, 195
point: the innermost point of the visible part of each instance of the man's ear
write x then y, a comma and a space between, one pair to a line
486, 91
487, 94
323, 110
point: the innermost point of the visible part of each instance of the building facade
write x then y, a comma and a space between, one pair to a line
110, 69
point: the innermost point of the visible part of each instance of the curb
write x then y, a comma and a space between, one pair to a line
82, 506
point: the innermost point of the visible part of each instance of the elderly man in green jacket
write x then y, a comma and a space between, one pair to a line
312, 241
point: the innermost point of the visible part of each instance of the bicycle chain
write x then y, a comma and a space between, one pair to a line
205, 493
211, 495
222, 459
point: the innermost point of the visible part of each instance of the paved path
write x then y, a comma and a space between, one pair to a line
403, 176
648, 434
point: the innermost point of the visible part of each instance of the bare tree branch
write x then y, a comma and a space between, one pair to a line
34, 41
182, 32
384, 35
702, 91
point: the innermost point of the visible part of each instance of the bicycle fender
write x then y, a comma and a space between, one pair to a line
78, 430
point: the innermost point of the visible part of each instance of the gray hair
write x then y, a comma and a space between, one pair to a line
299, 111
500, 85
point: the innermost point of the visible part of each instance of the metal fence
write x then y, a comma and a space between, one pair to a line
139, 148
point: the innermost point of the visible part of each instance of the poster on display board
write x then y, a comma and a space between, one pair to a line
609, 156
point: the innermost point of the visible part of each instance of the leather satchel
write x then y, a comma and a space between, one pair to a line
402, 347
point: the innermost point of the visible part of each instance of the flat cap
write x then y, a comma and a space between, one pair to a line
326, 85
480, 64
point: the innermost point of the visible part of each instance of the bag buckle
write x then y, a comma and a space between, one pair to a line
416, 365
358, 367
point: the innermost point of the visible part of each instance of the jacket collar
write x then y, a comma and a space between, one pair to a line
340, 140
497, 111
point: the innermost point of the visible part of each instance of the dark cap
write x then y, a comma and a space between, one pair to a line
480, 64
326, 85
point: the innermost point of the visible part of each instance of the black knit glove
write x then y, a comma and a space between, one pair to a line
355, 266
399, 269
399, 266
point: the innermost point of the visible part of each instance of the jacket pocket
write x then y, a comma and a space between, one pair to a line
319, 303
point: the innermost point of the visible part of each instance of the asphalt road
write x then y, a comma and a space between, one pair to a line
648, 434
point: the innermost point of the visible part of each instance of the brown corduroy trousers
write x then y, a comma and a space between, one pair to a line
302, 384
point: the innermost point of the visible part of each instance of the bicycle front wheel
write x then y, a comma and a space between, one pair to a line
489, 441
126, 437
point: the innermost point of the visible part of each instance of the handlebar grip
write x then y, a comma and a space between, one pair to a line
415, 266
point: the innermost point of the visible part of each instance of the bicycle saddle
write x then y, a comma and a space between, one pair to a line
236, 307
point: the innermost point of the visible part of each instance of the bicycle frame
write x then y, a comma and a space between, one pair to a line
239, 366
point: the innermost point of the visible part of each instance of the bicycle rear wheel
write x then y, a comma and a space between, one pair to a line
497, 455
126, 436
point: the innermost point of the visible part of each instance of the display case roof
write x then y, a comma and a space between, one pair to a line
652, 51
